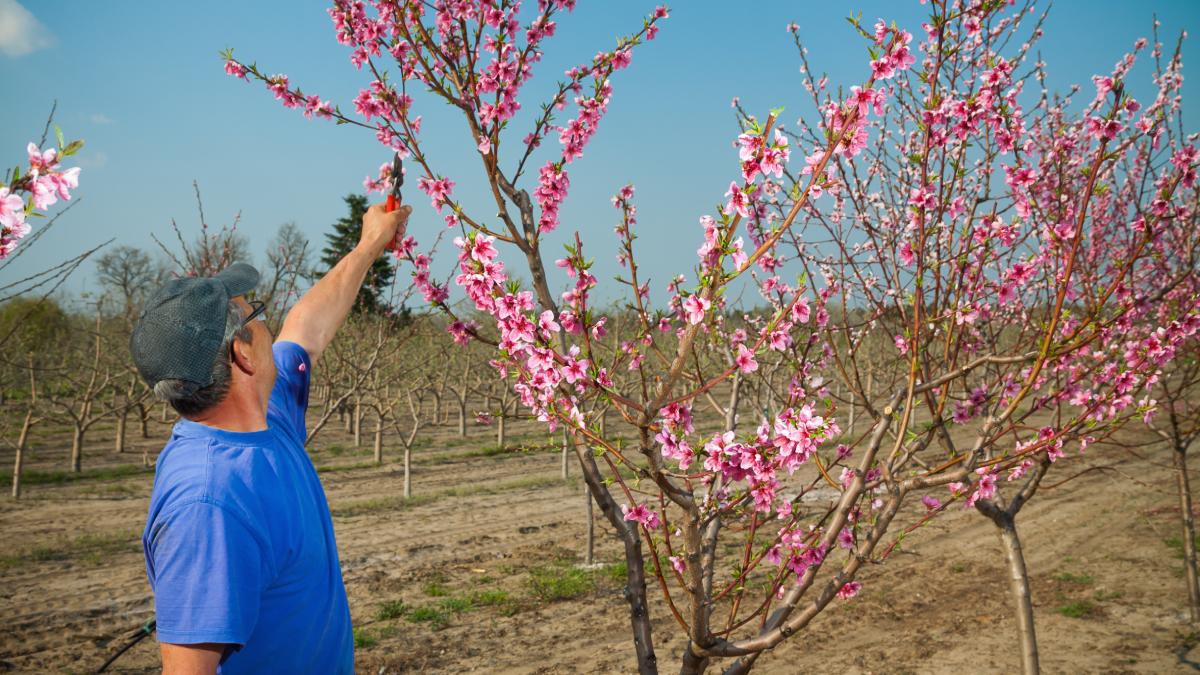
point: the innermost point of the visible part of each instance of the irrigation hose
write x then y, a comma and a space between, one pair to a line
146, 630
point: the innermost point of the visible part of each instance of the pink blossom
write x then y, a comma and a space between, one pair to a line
12, 209
745, 360
849, 590
695, 307
642, 515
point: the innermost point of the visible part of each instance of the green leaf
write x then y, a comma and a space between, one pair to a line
72, 148
59, 135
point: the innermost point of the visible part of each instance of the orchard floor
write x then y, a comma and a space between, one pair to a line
479, 572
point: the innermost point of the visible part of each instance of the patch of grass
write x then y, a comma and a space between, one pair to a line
560, 583
34, 477
345, 467
435, 590
489, 597
1078, 609
1103, 596
364, 506
958, 568
456, 605
363, 639
336, 449
531, 482
617, 572
392, 609
1081, 579
431, 615
1176, 546
89, 548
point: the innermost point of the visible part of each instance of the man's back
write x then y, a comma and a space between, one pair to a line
239, 541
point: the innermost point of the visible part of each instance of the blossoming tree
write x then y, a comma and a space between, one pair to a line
930, 206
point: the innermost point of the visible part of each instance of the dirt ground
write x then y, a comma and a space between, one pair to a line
479, 571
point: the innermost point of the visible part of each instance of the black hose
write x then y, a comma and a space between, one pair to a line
146, 630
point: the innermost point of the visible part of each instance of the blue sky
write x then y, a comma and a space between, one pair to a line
142, 83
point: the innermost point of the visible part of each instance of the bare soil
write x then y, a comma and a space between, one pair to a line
480, 570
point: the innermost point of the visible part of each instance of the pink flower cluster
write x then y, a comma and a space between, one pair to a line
45, 182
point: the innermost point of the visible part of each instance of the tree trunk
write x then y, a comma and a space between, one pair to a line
379, 442
462, 418
143, 419
500, 431
119, 438
565, 464
22, 440
357, 424
1189, 532
407, 471
590, 554
1018, 588
77, 450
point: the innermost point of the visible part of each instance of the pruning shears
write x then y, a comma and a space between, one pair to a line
393, 198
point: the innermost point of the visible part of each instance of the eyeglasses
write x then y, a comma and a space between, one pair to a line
258, 309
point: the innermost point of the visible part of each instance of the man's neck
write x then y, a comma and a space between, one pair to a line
237, 412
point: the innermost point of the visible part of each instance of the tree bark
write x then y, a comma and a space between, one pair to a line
1018, 586
379, 441
119, 438
77, 449
565, 464
1189, 532
589, 556
357, 424
20, 457
407, 471
500, 437
143, 419
462, 418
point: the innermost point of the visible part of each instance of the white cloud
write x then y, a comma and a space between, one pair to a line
91, 160
98, 118
20, 32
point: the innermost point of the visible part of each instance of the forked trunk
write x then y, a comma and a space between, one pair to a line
1188, 533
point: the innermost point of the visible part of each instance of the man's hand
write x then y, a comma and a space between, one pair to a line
381, 228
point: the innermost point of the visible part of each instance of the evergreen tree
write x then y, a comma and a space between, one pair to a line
344, 237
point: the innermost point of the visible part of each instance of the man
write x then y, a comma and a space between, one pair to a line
239, 541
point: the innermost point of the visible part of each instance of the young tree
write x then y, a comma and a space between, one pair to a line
129, 274
941, 224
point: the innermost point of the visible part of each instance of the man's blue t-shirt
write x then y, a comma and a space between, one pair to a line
239, 541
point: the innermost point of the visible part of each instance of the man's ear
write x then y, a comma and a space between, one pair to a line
243, 357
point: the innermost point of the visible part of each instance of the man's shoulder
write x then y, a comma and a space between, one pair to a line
239, 478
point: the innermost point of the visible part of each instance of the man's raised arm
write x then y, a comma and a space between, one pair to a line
318, 315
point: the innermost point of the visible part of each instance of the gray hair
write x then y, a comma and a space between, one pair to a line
189, 400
